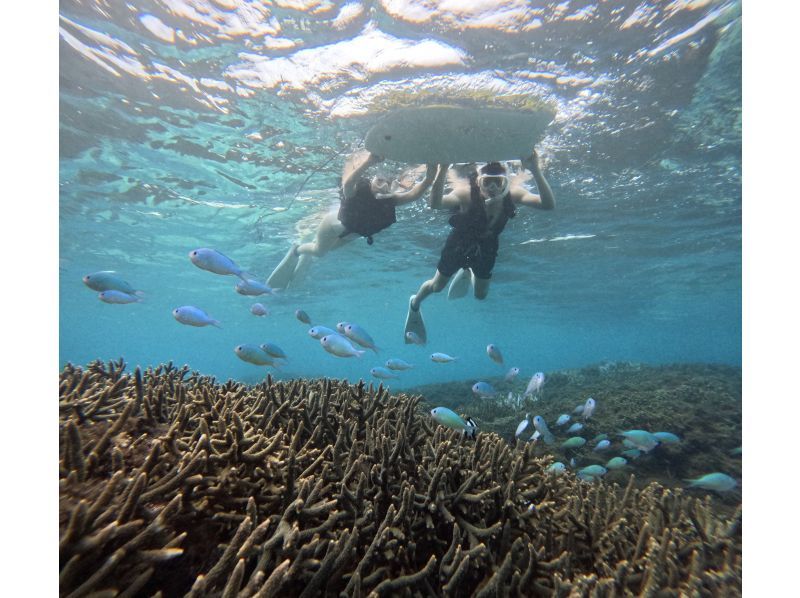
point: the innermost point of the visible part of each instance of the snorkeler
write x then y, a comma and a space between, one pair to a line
484, 208
366, 207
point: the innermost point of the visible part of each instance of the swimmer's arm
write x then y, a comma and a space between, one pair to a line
350, 178
545, 200
417, 190
437, 200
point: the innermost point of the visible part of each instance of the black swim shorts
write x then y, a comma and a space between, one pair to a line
464, 252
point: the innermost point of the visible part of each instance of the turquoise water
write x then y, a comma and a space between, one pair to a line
209, 124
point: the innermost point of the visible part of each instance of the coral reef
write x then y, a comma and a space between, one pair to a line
702, 404
173, 484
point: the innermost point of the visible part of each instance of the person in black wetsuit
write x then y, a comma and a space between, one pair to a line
367, 206
484, 208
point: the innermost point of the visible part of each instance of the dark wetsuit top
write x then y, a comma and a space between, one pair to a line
474, 240
363, 213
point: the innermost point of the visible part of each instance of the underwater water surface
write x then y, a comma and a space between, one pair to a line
188, 124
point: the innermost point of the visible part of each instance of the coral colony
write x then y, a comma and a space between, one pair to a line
172, 483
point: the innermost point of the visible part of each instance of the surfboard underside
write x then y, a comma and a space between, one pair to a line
437, 134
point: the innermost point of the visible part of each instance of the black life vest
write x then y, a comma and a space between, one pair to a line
474, 221
363, 213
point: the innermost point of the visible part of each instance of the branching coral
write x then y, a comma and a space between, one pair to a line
175, 484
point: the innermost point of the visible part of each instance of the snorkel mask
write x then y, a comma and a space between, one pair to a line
493, 180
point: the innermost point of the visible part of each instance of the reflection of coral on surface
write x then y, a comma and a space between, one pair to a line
172, 483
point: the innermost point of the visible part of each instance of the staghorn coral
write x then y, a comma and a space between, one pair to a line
175, 484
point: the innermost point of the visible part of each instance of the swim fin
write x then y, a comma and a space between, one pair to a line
301, 270
460, 284
415, 324
283, 274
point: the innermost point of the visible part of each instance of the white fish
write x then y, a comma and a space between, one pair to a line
720, 482
339, 345
259, 309
511, 374
118, 297
641, 439
484, 389
194, 316
384, 373
588, 408
535, 384
442, 358
318, 332
541, 426
253, 288
213, 261
578, 410
449, 418
356, 333
602, 445
273, 350
667, 437
107, 280
535, 436
398, 364
494, 354
562, 419
414, 338
576, 427
253, 354
341, 326
523, 425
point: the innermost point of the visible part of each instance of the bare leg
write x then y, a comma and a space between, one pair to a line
327, 237
481, 287
434, 285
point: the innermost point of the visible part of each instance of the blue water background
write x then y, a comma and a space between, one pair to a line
640, 261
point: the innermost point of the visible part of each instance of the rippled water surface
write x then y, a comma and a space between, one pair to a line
225, 124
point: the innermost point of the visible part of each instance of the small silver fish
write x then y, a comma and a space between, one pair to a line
302, 316
118, 297
562, 419
494, 354
523, 425
273, 350
107, 280
339, 345
356, 333
253, 288
253, 354
535, 384
318, 332
484, 389
213, 261
442, 358
259, 309
383, 373
541, 426
194, 316
511, 374
414, 338
602, 445
398, 364
719, 482
588, 408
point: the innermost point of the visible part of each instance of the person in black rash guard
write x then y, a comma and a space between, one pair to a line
367, 206
484, 208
